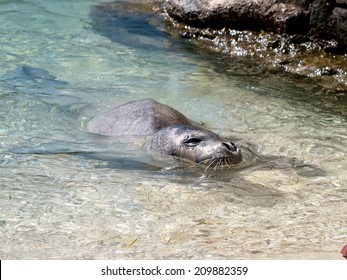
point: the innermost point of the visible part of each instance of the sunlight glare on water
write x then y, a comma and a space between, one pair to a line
62, 188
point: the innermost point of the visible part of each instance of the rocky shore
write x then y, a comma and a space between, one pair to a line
305, 37
324, 19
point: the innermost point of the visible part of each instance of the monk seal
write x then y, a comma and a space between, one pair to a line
168, 132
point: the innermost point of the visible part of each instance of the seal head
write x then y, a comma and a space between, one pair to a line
195, 144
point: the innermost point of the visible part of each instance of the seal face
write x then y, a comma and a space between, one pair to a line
170, 132
195, 144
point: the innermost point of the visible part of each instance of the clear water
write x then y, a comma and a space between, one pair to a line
65, 195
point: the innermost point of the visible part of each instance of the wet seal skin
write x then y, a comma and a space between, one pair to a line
168, 131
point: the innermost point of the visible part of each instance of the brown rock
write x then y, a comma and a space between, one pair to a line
324, 19
239, 14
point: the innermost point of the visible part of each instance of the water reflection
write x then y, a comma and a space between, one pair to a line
134, 25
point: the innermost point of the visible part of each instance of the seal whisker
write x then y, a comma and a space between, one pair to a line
217, 163
227, 161
222, 163
209, 163
205, 162
215, 166
214, 162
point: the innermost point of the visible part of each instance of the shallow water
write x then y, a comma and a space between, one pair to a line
66, 194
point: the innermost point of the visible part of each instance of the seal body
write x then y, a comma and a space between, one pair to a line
137, 118
169, 132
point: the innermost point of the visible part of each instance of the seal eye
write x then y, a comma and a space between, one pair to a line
192, 142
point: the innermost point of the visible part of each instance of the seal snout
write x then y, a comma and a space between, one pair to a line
230, 146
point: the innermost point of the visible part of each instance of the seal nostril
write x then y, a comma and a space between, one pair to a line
230, 146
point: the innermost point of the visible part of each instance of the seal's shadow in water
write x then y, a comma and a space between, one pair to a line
120, 156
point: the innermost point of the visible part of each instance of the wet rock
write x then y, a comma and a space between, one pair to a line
337, 26
239, 14
305, 37
319, 13
325, 19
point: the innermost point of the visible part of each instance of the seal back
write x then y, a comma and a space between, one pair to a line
137, 118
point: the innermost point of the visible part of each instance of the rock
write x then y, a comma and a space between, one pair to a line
325, 19
319, 12
337, 26
305, 37
239, 14
341, 3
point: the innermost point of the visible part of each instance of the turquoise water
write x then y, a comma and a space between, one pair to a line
65, 194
